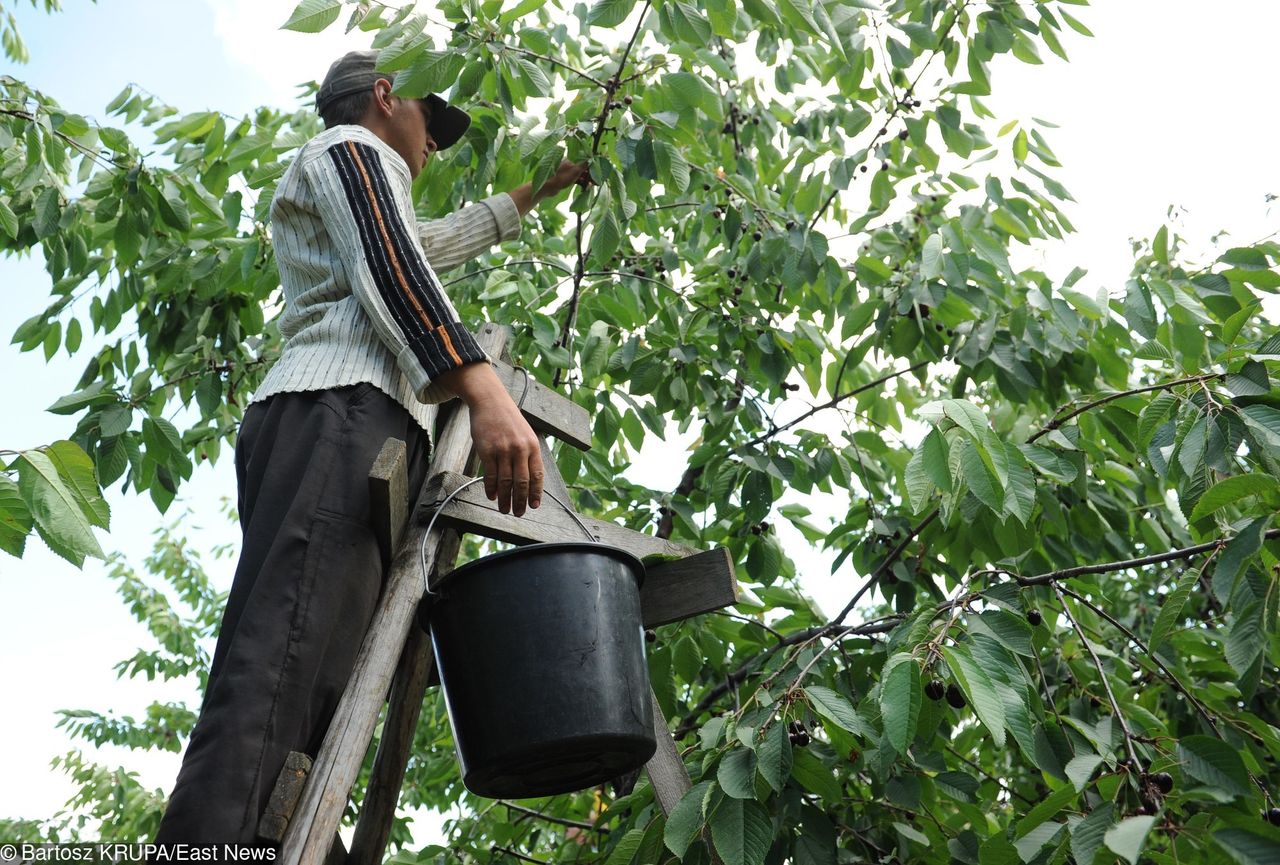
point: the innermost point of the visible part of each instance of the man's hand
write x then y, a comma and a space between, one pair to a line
505, 444
566, 175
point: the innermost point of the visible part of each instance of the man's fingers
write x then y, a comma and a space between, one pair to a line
490, 477
536, 476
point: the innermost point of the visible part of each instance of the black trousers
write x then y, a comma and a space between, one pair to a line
305, 590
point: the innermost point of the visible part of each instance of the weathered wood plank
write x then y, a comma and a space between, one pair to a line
389, 496
284, 796
686, 587
697, 583
383, 794
666, 770
472, 511
307, 840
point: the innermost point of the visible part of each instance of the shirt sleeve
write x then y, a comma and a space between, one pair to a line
367, 214
469, 231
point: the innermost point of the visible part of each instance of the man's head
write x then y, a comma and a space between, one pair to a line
353, 92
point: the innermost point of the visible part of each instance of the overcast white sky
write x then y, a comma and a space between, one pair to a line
1167, 106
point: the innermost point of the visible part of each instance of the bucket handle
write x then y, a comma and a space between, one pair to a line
423, 553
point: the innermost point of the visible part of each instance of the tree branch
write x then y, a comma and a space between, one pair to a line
1059, 421
610, 87
1082, 570
897, 107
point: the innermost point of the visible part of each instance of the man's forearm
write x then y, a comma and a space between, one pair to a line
473, 383
525, 199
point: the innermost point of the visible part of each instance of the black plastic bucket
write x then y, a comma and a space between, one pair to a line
541, 658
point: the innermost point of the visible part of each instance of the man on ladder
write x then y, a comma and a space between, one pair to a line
371, 346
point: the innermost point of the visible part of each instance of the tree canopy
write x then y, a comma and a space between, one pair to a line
1057, 505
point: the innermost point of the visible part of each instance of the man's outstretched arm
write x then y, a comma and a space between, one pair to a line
470, 231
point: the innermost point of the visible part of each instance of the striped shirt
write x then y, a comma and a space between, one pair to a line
361, 301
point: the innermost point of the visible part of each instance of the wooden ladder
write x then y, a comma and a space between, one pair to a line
396, 664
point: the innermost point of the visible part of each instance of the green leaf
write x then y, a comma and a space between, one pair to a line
775, 758
1251, 380
1265, 423
312, 16
741, 831
1214, 762
1247, 638
114, 420
546, 166
737, 773
432, 72
625, 850
1045, 809
1247, 848
209, 394
95, 394
59, 517
1191, 448
835, 707
1049, 463
1088, 835
1171, 610
15, 518
982, 483
1012, 632
605, 238
173, 207
931, 258
936, 464
77, 472
1020, 498
1231, 490
1139, 311
47, 212
1156, 413
814, 776
917, 480
686, 821
979, 690
900, 700
673, 170
1080, 770
1127, 838
8, 220
74, 335
1235, 556
609, 13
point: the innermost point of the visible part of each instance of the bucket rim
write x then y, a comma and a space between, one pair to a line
526, 550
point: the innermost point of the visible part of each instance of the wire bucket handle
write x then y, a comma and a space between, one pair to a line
427, 534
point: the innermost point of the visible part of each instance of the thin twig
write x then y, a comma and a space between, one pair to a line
1135, 765
506, 264
990, 777
834, 401
577, 824
1173, 680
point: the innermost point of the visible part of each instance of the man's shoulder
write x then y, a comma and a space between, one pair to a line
323, 141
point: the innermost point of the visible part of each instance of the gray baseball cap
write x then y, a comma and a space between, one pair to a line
354, 71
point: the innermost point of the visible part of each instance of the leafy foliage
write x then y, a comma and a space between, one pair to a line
1064, 498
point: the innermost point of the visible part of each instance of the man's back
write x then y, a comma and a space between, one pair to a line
334, 208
